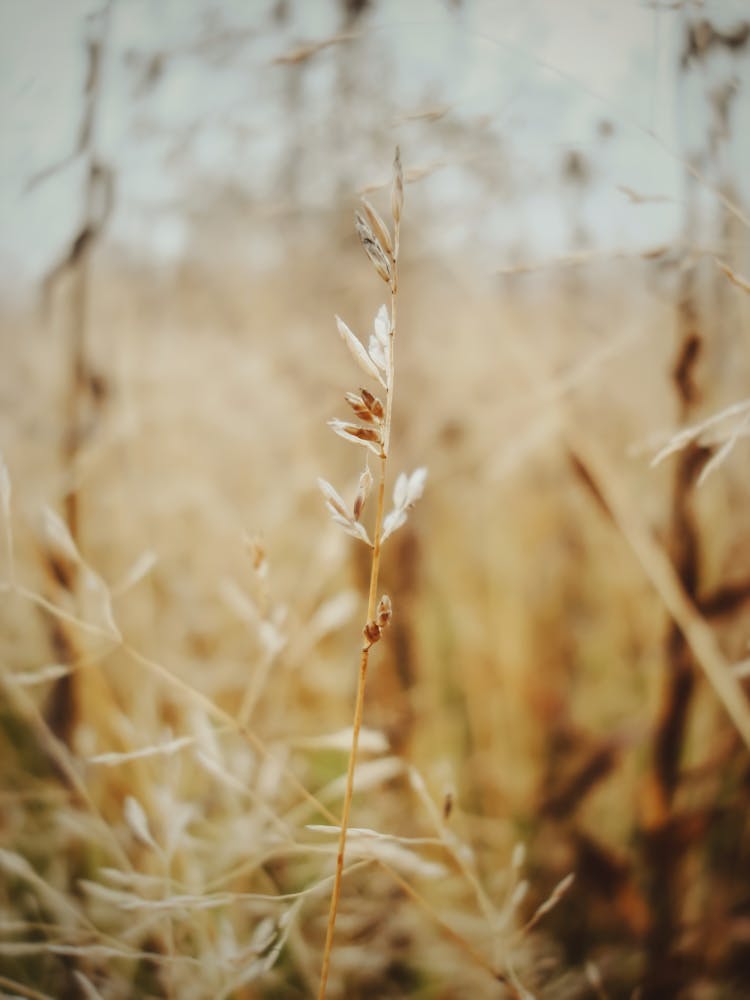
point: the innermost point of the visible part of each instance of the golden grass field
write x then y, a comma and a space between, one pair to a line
174, 693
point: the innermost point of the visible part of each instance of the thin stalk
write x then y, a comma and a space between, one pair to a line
367, 644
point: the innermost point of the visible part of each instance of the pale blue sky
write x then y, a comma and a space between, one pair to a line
538, 77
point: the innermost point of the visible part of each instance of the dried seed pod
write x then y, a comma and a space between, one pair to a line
363, 492
384, 612
354, 430
373, 404
360, 407
397, 192
378, 227
370, 437
373, 249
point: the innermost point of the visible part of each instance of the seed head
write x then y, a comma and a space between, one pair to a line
384, 612
378, 227
373, 249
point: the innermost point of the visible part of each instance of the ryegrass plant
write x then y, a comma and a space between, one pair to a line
373, 432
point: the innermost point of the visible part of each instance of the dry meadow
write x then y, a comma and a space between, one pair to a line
552, 788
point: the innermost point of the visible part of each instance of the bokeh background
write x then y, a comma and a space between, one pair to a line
563, 688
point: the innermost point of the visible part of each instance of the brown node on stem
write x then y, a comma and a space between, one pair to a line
373, 630
371, 633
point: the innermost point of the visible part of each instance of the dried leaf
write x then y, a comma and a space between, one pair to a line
358, 352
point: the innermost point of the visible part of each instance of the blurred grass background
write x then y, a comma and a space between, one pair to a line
169, 361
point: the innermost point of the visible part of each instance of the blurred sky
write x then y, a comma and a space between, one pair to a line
523, 85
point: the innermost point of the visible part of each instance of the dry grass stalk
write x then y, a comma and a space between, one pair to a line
373, 433
303, 53
722, 429
735, 278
